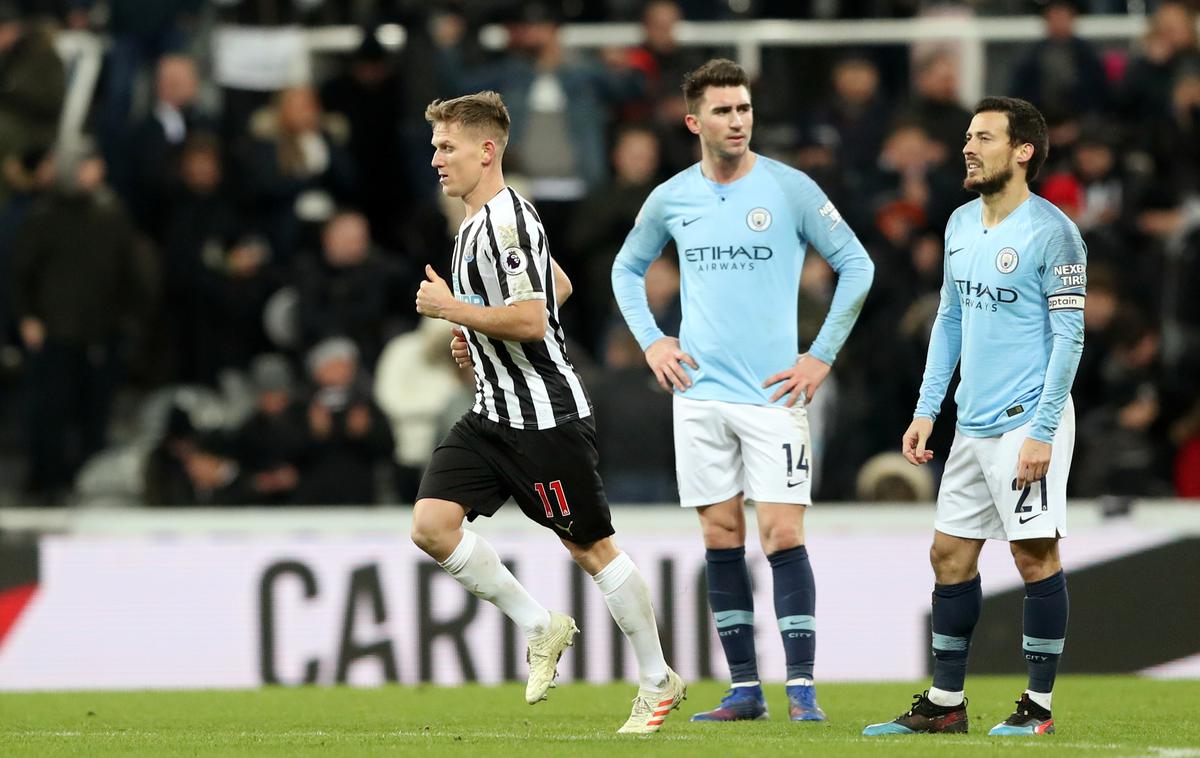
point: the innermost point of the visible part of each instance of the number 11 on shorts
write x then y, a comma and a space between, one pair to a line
563, 507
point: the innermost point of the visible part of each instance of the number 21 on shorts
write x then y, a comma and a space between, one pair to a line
564, 508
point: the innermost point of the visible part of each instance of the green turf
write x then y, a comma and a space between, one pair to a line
1106, 716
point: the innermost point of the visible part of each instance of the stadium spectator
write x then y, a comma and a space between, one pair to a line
560, 107
156, 143
79, 280
1168, 49
296, 170
368, 94
637, 448
232, 290
32, 85
1123, 440
415, 381
190, 468
347, 435
603, 218
1061, 70
200, 223
856, 114
1174, 140
935, 104
141, 32
345, 291
663, 62
912, 183
268, 446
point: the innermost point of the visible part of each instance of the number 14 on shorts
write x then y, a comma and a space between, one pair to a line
564, 507
795, 463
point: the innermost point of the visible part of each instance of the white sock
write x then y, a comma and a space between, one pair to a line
1041, 698
628, 600
475, 565
942, 697
735, 685
801, 682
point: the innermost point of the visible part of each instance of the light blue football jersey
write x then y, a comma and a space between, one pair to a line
1012, 307
741, 248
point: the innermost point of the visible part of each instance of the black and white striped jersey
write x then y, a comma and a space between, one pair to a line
501, 257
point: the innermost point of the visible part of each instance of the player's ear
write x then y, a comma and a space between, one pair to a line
692, 123
1025, 153
488, 152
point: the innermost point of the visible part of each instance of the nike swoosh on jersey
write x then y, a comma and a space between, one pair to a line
1024, 520
689, 221
796, 484
959, 250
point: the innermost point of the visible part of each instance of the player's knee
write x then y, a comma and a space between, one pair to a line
776, 537
428, 536
1034, 565
949, 566
723, 534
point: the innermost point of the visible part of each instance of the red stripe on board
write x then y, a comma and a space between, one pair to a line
12, 603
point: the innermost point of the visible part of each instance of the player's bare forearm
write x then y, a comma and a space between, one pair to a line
562, 284
520, 322
523, 321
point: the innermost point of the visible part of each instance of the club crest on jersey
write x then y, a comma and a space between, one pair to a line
758, 219
514, 261
470, 256
1006, 260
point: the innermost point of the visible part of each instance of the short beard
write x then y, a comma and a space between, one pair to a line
991, 185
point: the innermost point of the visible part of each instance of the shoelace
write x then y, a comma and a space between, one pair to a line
732, 696
642, 706
917, 697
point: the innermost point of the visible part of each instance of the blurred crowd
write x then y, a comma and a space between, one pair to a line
207, 298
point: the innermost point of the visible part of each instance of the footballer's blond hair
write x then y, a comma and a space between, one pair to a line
482, 112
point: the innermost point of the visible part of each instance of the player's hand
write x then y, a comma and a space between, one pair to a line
912, 444
666, 359
1032, 462
459, 349
802, 378
434, 298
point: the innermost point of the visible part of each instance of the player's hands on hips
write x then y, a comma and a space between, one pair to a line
458, 348
804, 377
912, 444
434, 298
1032, 462
666, 359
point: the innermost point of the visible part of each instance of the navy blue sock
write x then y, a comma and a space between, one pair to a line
1046, 608
956, 609
795, 606
732, 604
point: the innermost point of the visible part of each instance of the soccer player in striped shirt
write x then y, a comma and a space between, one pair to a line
742, 224
530, 434
1011, 316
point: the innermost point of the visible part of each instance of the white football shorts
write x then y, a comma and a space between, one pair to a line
978, 498
722, 449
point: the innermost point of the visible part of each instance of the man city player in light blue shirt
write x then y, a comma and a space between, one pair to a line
742, 224
1011, 317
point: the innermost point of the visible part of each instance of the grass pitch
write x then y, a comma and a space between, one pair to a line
1096, 716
